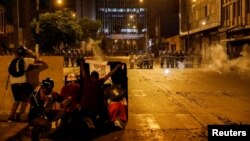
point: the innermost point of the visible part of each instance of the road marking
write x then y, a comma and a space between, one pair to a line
149, 128
138, 93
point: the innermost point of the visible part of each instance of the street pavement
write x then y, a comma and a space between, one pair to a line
178, 104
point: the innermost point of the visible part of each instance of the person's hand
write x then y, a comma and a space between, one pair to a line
79, 108
67, 101
31, 53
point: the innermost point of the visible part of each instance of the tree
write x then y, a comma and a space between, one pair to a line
60, 27
89, 28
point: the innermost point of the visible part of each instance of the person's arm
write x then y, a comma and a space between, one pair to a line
44, 65
31, 54
112, 72
60, 99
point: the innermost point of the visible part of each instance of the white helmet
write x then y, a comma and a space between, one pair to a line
71, 77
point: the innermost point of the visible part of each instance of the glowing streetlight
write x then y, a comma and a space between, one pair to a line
59, 2
54, 4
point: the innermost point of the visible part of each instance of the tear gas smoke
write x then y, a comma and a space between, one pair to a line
220, 61
180, 65
97, 51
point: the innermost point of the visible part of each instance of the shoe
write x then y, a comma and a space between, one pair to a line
118, 123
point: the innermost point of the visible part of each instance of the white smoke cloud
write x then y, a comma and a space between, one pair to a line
242, 63
221, 63
219, 58
97, 51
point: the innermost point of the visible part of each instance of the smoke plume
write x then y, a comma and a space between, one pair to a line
220, 61
97, 51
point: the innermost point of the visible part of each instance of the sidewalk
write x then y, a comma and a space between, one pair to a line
12, 131
4, 117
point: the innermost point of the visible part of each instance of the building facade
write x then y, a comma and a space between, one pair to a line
124, 23
199, 23
207, 23
130, 25
85, 8
235, 26
2, 19
141, 23
3, 44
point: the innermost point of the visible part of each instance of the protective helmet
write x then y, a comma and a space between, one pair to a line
48, 84
71, 77
21, 50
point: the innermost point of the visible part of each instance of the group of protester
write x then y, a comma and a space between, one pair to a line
71, 57
172, 59
86, 102
142, 61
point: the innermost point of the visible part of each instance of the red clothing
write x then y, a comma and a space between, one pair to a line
73, 90
91, 97
117, 110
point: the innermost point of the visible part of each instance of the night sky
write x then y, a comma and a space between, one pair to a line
44, 4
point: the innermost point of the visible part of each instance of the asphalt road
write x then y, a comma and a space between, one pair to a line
179, 104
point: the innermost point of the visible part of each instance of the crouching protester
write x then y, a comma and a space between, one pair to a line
41, 113
92, 106
117, 104
71, 120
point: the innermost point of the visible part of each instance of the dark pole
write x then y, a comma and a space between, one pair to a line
188, 26
16, 23
37, 28
50, 6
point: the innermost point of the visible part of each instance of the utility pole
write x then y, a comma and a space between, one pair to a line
188, 26
37, 28
16, 23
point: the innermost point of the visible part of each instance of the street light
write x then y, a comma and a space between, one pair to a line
59, 2
55, 3
74, 15
131, 16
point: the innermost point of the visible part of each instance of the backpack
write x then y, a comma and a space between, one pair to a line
16, 67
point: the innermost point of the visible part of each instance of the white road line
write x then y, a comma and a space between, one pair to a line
138, 93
